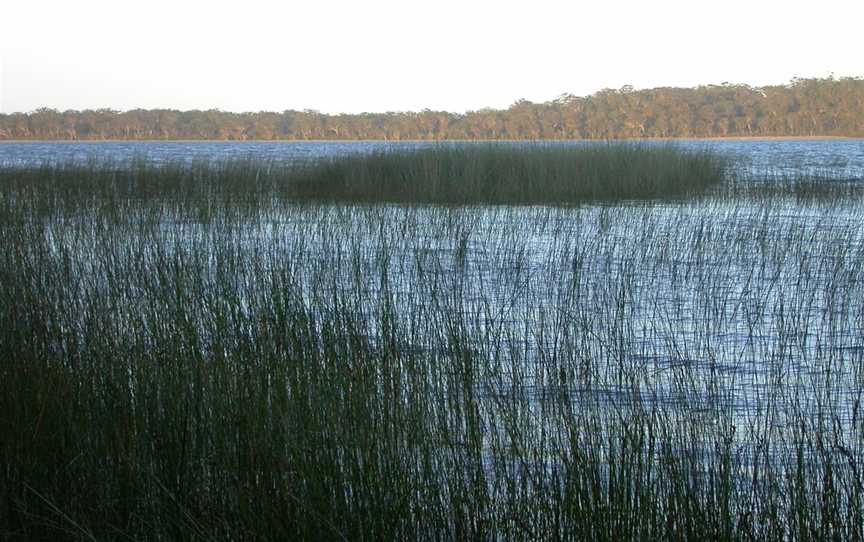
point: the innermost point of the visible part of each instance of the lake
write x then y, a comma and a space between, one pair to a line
842, 157
699, 356
704, 288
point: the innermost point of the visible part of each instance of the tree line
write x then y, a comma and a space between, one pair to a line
804, 107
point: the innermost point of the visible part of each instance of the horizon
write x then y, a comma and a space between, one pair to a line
385, 56
631, 88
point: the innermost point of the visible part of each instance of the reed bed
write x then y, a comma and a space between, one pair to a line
513, 174
185, 364
440, 174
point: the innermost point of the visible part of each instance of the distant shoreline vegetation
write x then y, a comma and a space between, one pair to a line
803, 108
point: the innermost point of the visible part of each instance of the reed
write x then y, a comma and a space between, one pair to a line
442, 174
513, 174
183, 359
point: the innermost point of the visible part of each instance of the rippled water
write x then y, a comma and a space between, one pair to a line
841, 157
744, 312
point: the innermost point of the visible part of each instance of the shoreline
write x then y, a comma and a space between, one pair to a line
639, 139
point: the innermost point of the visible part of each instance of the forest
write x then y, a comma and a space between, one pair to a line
803, 107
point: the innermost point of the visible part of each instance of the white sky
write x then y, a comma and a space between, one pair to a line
383, 55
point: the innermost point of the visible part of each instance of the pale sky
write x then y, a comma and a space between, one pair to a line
404, 55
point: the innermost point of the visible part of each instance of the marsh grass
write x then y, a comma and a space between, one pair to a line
826, 187
513, 174
444, 174
183, 359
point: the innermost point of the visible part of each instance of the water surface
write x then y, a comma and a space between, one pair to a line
843, 158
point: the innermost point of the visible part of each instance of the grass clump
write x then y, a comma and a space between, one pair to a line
444, 174
513, 174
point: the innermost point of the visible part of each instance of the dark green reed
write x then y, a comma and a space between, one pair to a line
513, 174
451, 174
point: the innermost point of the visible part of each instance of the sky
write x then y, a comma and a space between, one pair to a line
404, 55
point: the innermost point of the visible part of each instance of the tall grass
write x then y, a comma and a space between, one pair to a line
467, 174
513, 174
185, 364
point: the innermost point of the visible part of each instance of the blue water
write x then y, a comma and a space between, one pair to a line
764, 300
837, 157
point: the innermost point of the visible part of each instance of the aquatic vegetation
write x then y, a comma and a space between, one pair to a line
189, 355
514, 174
440, 174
